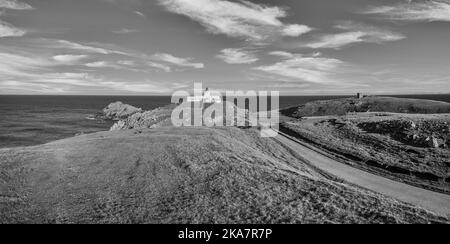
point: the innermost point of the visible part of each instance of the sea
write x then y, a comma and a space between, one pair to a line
34, 120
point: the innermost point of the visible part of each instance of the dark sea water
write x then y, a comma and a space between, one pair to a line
33, 120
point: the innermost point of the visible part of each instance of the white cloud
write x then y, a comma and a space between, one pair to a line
237, 56
434, 10
242, 19
7, 30
140, 14
13, 4
68, 58
164, 67
86, 48
296, 30
27, 72
144, 87
100, 64
126, 62
14, 87
140, 61
37, 73
183, 62
19, 65
119, 65
354, 33
297, 67
77, 79
125, 31
282, 54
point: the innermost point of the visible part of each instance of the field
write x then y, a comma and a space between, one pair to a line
182, 175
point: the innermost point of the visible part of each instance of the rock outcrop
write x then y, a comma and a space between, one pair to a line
430, 133
118, 111
146, 120
161, 117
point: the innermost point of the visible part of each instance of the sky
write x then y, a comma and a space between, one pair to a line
156, 47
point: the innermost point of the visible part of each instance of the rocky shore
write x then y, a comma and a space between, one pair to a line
159, 117
118, 111
129, 117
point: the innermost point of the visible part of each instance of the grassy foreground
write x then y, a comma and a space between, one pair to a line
182, 175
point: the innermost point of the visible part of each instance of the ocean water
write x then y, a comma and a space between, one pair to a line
34, 120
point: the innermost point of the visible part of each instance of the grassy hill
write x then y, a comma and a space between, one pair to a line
181, 175
367, 104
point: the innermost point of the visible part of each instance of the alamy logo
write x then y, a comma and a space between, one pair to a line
237, 108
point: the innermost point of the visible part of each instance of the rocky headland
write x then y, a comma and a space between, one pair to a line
118, 111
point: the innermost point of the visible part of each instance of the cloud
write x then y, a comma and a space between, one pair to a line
13, 4
15, 87
7, 30
125, 31
354, 33
245, 20
101, 64
437, 10
164, 67
140, 14
140, 61
182, 62
296, 30
77, 79
22, 65
152, 61
282, 54
126, 62
24, 72
69, 59
297, 67
86, 48
119, 65
36, 72
144, 87
237, 56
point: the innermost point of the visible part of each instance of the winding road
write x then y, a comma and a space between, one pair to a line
433, 201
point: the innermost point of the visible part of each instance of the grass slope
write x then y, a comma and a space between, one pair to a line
181, 175
367, 104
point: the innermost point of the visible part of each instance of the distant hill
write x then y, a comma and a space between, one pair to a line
367, 104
